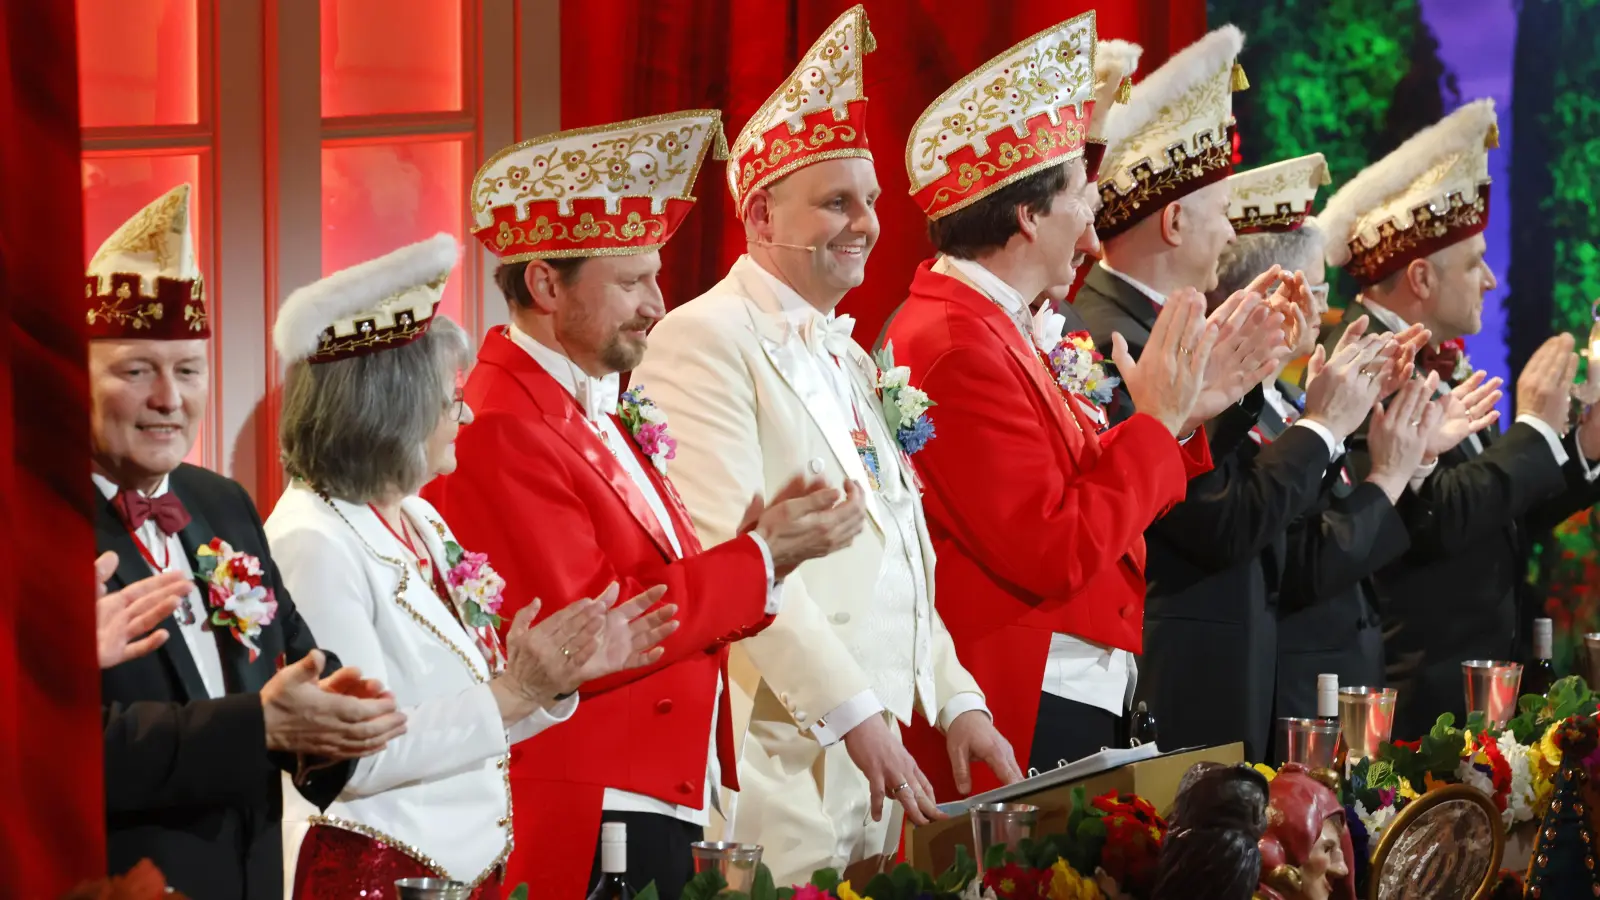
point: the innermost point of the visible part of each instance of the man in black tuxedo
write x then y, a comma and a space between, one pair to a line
198, 732
1409, 230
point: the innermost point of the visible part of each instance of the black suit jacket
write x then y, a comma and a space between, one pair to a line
1457, 591
1209, 667
189, 781
1329, 619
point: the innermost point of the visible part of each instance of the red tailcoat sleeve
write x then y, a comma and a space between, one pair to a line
513, 497
1045, 528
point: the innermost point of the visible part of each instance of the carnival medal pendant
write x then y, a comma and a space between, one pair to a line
869, 457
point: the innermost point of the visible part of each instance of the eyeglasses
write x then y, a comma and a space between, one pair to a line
1319, 295
457, 406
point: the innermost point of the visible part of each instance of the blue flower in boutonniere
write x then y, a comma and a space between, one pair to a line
648, 425
905, 408
1078, 369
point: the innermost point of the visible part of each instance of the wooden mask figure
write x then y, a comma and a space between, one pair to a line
1306, 853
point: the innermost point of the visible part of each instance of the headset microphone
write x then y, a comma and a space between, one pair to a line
807, 248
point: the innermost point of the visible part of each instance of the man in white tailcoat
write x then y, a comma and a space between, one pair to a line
765, 387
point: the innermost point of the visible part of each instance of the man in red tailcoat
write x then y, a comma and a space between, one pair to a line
1037, 514
565, 484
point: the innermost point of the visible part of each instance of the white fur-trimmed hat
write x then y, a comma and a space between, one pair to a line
1275, 197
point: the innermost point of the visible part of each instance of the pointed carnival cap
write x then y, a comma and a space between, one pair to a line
1276, 197
1175, 134
376, 305
143, 282
819, 113
1025, 109
1431, 192
609, 190
1114, 65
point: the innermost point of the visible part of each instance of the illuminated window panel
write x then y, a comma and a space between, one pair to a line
138, 62
380, 194
382, 57
115, 186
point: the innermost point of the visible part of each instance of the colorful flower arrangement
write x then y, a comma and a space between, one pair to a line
477, 589
648, 424
1515, 766
1109, 851
238, 600
905, 408
1078, 369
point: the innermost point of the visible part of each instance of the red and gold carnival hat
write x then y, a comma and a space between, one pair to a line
1174, 135
820, 113
1114, 65
376, 305
143, 282
1025, 109
610, 190
1431, 192
1277, 197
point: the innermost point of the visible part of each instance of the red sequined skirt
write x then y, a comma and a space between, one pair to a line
335, 864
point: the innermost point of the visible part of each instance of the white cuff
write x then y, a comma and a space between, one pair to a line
774, 587
1550, 436
1421, 475
542, 719
1185, 439
1335, 446
964, 702
842, 719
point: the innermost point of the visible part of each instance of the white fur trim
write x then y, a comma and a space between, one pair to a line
367, 287
1445, 157
1200, 75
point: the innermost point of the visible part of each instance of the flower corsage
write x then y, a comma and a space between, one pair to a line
648, 425
238, 600
905, 408
1078, 369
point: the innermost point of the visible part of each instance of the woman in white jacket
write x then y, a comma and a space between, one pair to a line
370, 413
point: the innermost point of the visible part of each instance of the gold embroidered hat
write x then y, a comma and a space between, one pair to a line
603, 191
1175, 134
1025, 109
819, 113
143, 282
1114, 65
376, 305
1431, 192
1276, 197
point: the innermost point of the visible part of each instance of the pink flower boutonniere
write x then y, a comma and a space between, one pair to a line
477, 590
648, 425
238, 600
1078, 369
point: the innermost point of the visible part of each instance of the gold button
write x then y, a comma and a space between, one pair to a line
504, 821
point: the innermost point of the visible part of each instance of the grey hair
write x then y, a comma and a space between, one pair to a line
357, 428
1251, 254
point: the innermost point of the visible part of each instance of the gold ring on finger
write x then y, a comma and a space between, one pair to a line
565, 652
904, 786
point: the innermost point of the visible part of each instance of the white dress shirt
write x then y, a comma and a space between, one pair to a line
597, 397
1288, 413
1074, 669
839, 721
197, 634
1389, 319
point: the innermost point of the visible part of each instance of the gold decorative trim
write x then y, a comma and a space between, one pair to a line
1009, 179
821, 135
585, 229
1426, 225
715, 138
984, 70
815, 55
1206, 153
421, 858
573, 254
1283, 218
1427, 801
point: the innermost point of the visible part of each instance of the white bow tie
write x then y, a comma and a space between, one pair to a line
1048, 326
830, 334
598, 396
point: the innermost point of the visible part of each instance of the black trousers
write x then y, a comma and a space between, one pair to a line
1067, 730
658, 851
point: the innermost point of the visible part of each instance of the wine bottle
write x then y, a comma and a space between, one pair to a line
1142, 726
1328, 697
613, 881
1540, 673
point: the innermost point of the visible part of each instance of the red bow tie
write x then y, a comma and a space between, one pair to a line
136, 509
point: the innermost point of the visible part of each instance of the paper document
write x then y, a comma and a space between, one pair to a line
1104, 761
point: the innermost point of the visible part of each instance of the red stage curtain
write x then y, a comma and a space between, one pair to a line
629, 58
52, 823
